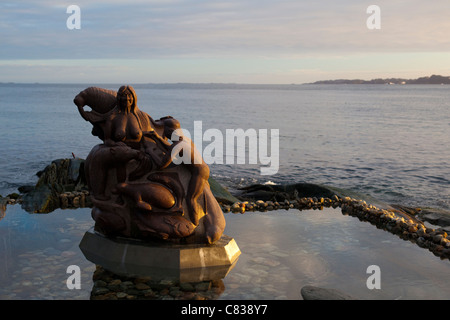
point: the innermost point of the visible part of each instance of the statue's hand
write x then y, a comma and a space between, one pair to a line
150, 133
79, 101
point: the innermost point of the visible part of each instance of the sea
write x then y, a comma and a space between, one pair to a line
390, 142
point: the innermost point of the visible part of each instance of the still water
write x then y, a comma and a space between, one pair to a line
282, 251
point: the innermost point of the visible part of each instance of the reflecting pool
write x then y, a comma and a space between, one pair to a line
281, 251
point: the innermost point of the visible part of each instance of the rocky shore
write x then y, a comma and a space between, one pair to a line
397, 222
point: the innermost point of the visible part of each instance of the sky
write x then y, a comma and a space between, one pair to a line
203, 41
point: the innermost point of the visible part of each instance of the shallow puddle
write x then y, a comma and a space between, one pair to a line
282, 251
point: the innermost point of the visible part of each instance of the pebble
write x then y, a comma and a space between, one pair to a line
142, 286
186, 286
203, 286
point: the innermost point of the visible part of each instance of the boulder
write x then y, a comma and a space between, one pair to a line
41, 200
316, 293
221, 194
60, 176
435, 216
270, 192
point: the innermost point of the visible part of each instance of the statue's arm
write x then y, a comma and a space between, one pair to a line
166, 160
80, 102
152, 134
107, 130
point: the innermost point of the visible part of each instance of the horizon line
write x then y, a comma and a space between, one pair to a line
221, 83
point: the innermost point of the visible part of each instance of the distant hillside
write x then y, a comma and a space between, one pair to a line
434, 79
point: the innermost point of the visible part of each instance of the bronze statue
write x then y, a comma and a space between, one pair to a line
136, 188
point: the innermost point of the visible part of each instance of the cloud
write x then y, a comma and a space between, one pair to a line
259, 41
187, 28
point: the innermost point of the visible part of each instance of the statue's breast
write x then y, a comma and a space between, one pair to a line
126, 128
133, 129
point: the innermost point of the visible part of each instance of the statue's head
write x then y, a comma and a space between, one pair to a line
126, 98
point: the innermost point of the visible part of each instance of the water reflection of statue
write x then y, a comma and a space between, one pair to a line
157, 287
136, 189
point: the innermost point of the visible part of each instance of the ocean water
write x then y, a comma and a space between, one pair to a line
389, 142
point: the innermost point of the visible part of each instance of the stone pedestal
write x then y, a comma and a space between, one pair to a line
182, 262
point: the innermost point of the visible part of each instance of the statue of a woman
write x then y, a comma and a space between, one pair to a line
136, 189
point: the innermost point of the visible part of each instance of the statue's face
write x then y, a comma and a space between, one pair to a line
126, 101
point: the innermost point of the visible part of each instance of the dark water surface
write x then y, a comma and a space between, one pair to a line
390, 142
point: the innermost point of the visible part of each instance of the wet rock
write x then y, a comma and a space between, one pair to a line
126, 285
142, 286
175, 292
13, 196
141, 280
121, 295
281, 192
316, 293
25, 189
64, 201
436, 217
203, 286
58, 177
100, 283
220, 193
100, 291
148, 294
41, 200
186, 286
437, 238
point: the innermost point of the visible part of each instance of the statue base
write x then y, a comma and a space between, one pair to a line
165, 260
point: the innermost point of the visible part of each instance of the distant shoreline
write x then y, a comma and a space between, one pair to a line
434, 79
